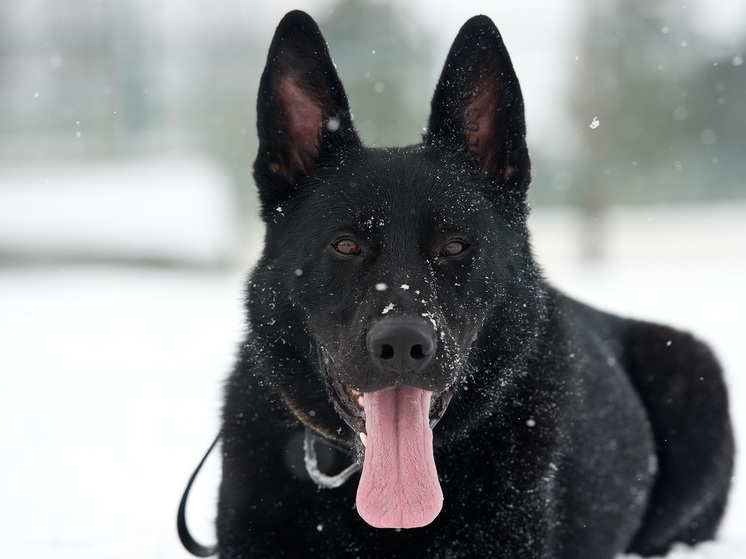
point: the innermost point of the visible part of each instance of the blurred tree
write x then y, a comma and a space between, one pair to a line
106, 79
384, 64
718, 133
664, 128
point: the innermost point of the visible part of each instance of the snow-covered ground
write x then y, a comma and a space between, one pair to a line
110, 377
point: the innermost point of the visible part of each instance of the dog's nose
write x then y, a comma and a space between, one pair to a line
398, 344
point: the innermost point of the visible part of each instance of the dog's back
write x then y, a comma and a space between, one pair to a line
681, 387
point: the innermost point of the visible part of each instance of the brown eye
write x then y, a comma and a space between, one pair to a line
454, 248
346, 247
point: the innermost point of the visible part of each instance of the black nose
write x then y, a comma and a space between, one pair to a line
399, 344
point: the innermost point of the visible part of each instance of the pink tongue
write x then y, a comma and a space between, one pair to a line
399, 485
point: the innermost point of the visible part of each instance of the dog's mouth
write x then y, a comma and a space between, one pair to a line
350, 405
399, 486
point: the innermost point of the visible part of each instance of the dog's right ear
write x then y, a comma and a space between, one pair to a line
302, 109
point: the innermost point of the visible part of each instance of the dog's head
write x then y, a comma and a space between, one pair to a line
383, 269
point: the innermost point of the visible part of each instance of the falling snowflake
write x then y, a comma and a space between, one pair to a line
595, 123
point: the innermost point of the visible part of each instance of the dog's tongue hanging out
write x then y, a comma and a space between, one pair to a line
399, 485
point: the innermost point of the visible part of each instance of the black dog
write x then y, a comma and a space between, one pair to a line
394, 281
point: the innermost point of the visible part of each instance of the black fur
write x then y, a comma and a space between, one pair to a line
571, 433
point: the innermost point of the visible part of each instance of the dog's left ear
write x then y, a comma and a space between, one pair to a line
302, 109
478, 106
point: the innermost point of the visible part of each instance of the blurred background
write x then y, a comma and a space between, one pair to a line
128, 215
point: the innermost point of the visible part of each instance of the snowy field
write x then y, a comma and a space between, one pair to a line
110, 376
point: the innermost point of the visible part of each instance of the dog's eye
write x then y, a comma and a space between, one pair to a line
454, 248
346, 247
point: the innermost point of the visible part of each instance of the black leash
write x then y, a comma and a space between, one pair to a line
192, 545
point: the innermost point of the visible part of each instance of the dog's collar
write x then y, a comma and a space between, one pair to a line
314, 433
319, 430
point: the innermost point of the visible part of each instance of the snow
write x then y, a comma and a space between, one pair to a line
148, 208
111, 375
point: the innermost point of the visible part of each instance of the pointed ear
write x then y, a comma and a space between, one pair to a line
478, 105
302, 108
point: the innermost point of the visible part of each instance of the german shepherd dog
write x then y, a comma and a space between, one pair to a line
398, 323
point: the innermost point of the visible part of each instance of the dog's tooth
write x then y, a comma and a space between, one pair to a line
361, 401
363, 438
